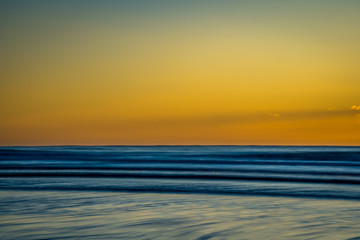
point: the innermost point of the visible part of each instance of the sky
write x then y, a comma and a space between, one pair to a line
259, 72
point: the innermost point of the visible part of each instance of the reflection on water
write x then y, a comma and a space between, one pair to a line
104, 215
173, 192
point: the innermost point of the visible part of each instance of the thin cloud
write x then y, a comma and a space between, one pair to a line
356, 108
225, 119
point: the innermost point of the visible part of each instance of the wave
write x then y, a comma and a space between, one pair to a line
293, 153
180, 176
319, 171
177, 169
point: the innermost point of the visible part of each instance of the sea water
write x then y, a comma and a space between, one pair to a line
180, 192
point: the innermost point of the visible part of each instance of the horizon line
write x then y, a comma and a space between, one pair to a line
184, 145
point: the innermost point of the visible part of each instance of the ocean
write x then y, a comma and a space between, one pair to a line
180, 192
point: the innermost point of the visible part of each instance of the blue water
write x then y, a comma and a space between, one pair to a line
324, 172
192, 192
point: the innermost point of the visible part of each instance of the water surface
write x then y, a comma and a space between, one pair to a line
179, 192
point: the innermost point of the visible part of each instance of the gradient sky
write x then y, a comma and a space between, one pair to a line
180, 72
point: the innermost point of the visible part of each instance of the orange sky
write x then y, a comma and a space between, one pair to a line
180, 72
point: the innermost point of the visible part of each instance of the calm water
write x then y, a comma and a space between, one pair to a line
178, 192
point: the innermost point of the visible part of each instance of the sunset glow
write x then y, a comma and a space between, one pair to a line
180, 72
